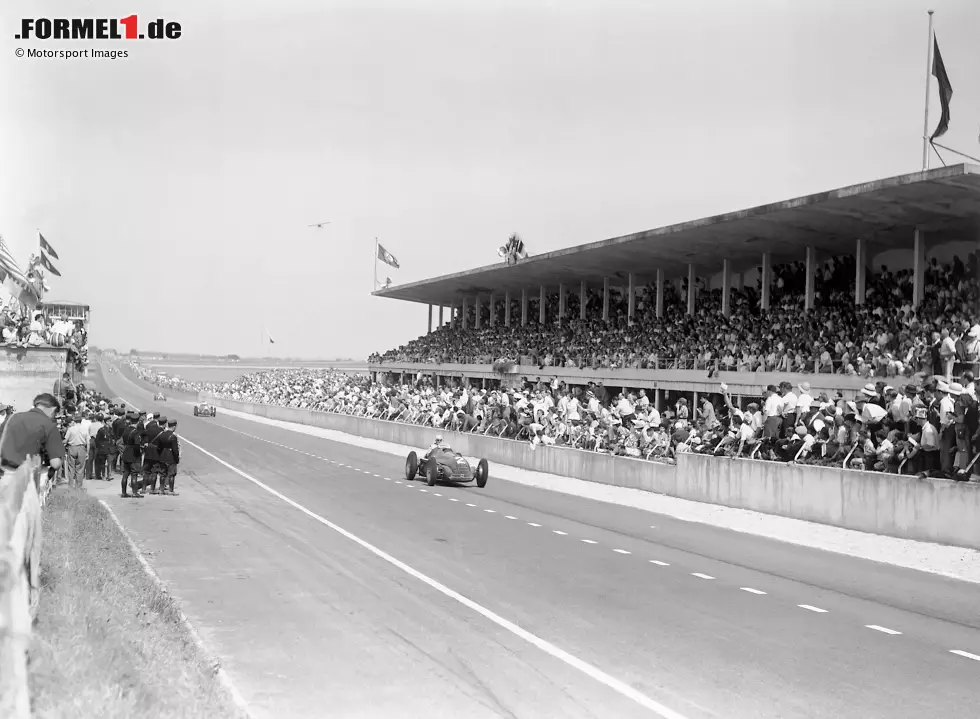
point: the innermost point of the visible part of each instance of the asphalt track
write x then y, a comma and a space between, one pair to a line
331, 587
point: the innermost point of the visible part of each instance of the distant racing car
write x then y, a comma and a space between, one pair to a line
203, 409
158, 397
446, 465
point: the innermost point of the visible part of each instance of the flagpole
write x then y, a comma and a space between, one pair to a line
375, 288
925, 121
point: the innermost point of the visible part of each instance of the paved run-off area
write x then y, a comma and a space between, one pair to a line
330, 586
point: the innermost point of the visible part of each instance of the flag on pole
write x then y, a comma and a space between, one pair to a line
46, 246
14, 278
945, 90
48, 265
387, 257
271, 341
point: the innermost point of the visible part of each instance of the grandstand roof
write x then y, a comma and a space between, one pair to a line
945, 203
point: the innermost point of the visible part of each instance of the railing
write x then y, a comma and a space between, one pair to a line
23, 493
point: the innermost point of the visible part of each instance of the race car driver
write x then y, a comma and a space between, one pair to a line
437, 444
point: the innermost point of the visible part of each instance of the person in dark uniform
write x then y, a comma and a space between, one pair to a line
105, 444
169, 456
29, 433
131, 456
151, 454
118, 425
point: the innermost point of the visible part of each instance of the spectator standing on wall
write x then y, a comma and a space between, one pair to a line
63, 386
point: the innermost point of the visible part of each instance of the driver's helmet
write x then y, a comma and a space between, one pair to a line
438, 439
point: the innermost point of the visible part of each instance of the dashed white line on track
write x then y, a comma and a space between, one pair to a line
453, 499
621, 551
590, 541
437, 494
470, 505
812, 608
701, 576
622, 688
750, 590
423, 490
508, 516
659, 563
490, 511
532, 524
965, 654
885, 630
558, 531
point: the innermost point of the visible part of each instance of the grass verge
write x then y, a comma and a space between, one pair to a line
107, 642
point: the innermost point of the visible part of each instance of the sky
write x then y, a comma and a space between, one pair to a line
177, 183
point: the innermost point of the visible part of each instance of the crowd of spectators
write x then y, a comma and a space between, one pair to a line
21, 327
929, 429
884, 337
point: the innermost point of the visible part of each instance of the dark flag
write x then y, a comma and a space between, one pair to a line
945, 90
48, 265
47, 247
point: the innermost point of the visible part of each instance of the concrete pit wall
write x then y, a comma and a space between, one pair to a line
930, 510
25, 372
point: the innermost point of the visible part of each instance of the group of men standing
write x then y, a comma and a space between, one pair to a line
143, 448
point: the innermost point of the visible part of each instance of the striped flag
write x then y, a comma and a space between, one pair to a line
9, 265
46, 246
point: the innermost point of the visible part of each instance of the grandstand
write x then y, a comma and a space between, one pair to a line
736, 273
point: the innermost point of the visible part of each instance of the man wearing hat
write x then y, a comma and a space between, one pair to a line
115, 453
131, 455
29, 433
169, 456
76, 444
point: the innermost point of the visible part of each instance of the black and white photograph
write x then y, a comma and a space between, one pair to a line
489, 359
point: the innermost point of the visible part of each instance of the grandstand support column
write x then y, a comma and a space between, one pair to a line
542, 309
631, 303
476, 314
605, 299
452, 317
860, 272
507, 309
462, 315
726, 287
493, 311
692, 283
918, 268
430, 319
441, 308
766, 280
561, 303
524, 307
811, 268
660, 294
583, 296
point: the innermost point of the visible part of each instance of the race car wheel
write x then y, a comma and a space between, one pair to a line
431, 475
411, 466
482, 472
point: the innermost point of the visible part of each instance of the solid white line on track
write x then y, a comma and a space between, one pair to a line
750, 590
701, 576
621, 551
620, 687
659, 563
558, 531
812, 608
885, 630
974, 657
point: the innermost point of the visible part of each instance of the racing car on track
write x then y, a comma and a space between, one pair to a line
446, 465
158, 397
203, 409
